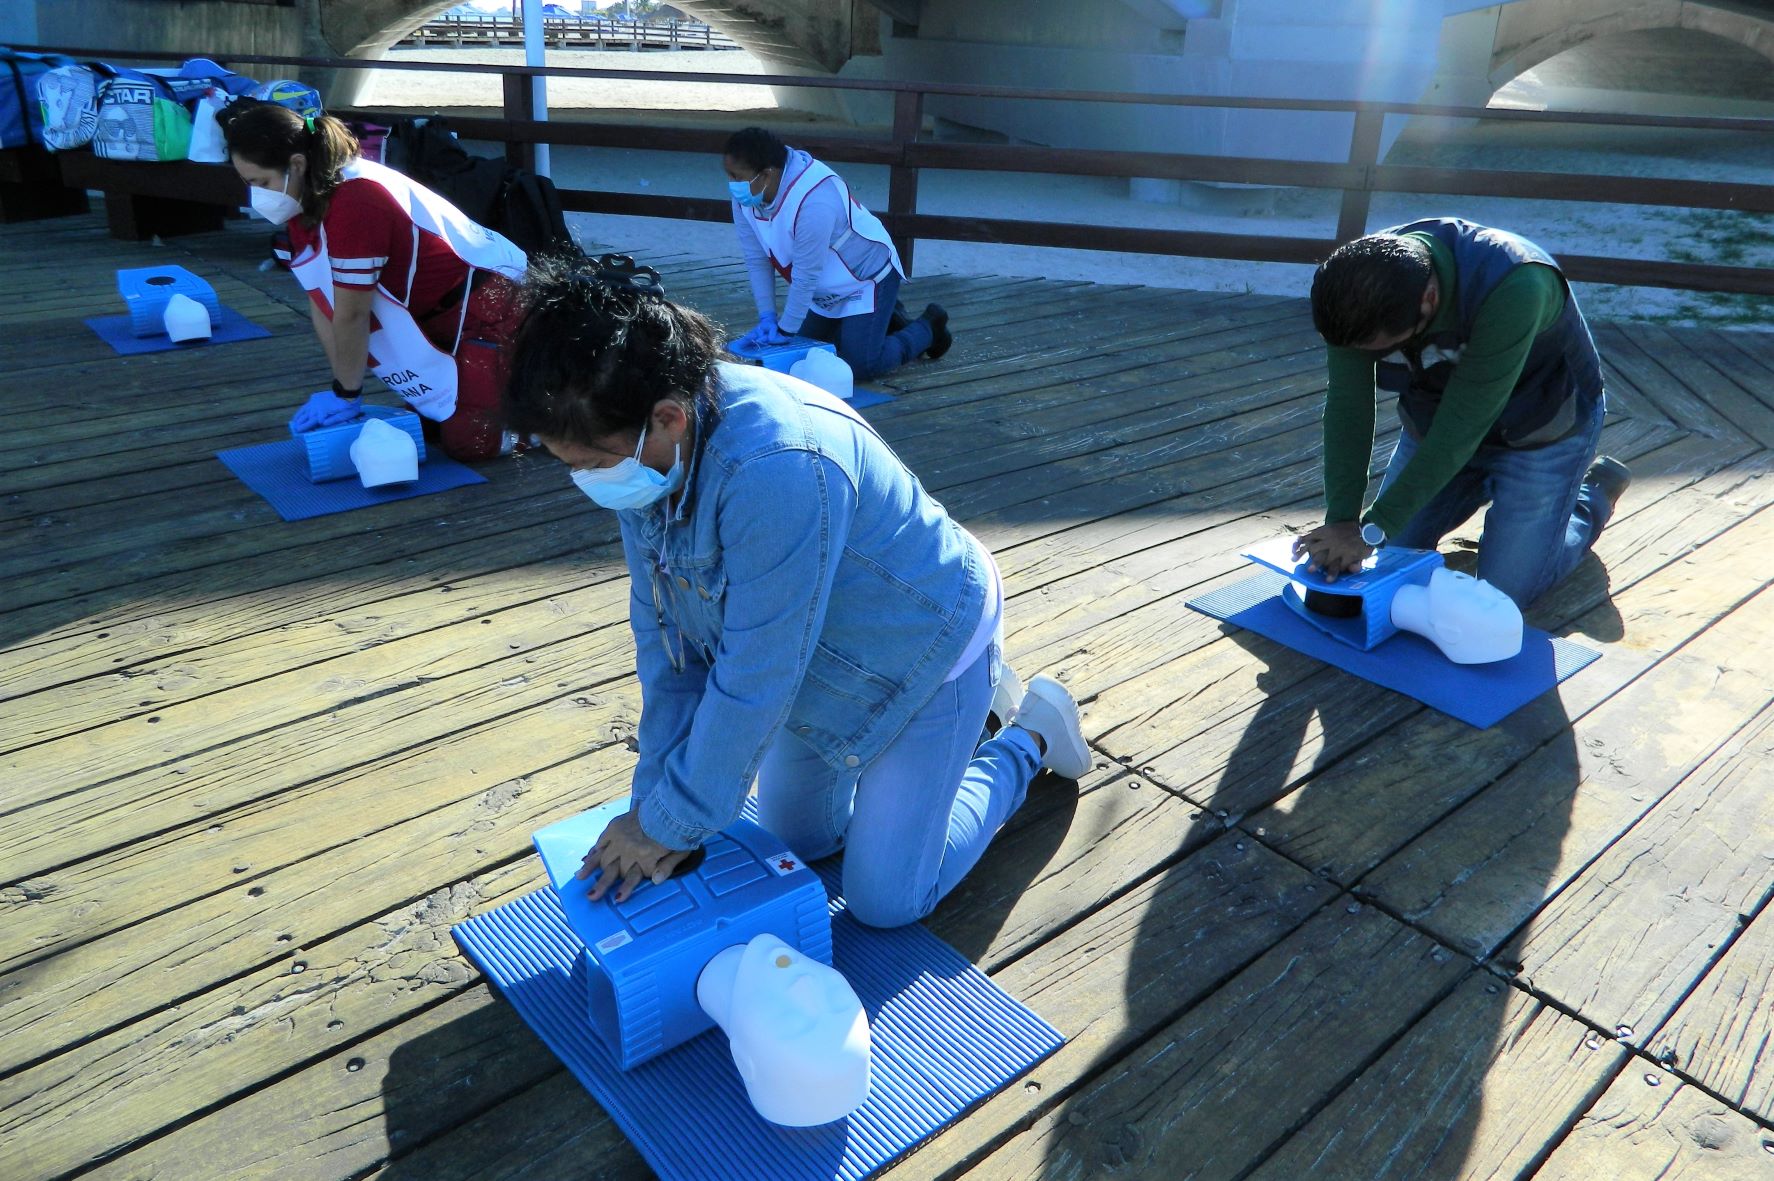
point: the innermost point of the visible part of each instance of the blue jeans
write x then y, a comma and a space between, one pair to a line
1543, 517
917, 818
863, 340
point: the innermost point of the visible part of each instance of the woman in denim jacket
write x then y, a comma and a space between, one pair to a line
805, 614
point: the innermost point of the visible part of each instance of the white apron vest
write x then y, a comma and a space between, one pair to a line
839, 291
401, 355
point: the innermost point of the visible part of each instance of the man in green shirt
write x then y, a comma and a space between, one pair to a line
1500, 397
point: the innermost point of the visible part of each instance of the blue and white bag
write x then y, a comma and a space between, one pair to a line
21, 120
141, 117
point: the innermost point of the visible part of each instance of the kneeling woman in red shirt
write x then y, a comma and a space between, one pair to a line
402, 283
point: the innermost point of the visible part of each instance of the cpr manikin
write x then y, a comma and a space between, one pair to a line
1471, 621
799, 1036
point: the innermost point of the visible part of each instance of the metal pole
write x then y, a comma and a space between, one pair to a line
539, 86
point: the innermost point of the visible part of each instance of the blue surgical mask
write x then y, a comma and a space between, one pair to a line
630, 484
741, 190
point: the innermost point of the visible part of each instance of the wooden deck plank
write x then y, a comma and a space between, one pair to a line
1474, 1090
1680, 404
1479, 874
1669, 1131
1367, 809
1212, 1093
552, 529
1624, 943
97, 594
1721, 1034
1707, 369
1757, 353
144, 776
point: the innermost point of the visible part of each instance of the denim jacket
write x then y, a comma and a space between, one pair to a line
804, 579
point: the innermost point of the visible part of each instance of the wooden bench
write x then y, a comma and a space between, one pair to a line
144, 199
31, 187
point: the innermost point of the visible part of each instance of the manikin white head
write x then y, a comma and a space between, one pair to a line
185, 319
800, 1038
1471, 621
384, 454
827, 370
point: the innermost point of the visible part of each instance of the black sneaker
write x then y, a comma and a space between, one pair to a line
1610, 476
940, 337
899, 319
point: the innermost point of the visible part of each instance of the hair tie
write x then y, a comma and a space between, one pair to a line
621, 272
309, 120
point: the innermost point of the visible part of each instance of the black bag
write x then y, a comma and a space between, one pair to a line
427, 151
530, 215
514, 201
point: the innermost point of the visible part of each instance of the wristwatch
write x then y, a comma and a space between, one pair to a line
1372, 534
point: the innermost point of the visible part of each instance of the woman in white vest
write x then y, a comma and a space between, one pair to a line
401, 283
797, 218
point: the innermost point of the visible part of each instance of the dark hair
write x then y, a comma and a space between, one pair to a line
1370, 287
757, 148
591, 358
267, 135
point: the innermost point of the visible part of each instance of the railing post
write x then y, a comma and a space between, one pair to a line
1364, 153
520, 105
902, 178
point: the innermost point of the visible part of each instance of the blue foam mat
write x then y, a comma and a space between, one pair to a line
1480, 695
115, 331
278, 472
860, 399
944, 1038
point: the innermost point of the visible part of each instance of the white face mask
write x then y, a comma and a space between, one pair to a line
630, 484
275, 207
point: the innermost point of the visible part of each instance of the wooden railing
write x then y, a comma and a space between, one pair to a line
568, 33
906, 155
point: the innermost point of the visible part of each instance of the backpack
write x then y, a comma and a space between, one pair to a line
427, 151
530, 215
141, 117
68, 104
299, 97
21, 118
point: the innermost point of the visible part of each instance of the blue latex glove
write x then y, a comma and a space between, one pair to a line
764, 333
770, 334
325, 409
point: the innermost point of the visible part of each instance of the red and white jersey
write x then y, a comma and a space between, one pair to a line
385, 231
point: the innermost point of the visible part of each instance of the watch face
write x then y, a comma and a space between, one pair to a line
1372, 534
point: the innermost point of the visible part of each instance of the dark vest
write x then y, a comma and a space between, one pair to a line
1561, 380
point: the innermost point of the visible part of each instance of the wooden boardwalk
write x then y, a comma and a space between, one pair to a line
1293, 925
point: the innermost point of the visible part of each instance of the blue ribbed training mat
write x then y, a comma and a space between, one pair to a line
115, 331
1478, 694
279, 472
944, 1038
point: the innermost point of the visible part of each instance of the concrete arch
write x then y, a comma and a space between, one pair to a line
1531, 31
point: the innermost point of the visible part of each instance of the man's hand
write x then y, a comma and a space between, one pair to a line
627, 856
1334, 548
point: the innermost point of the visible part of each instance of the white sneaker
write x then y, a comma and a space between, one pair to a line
1007, 695
1049, 711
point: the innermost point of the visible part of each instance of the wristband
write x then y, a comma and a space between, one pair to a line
340, 391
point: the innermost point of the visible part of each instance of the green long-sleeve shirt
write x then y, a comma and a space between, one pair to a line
1528, 301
